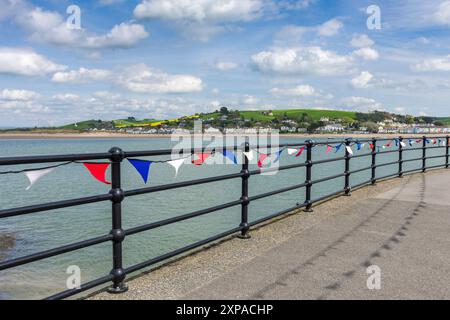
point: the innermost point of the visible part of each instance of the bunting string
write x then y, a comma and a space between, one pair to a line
143, 167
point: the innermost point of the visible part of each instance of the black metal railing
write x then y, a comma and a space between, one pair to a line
116, 196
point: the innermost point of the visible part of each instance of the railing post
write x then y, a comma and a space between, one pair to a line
117, 155
447, 147
424, 153
400, 157
373, 179
347, 188
244, 197
309, 164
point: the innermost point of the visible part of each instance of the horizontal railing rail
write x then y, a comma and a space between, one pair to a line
117, 195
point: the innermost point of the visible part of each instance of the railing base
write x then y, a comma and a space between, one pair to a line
244, 236
122, 288
308, 210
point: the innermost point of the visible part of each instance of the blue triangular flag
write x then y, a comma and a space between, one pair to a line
230, 155
396, 142
142, 166
278, 155
410, 142
359, 146
338, 147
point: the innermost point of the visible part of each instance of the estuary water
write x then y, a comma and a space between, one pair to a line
46, 230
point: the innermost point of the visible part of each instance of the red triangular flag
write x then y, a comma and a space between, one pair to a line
372, 146
300, 152
261, 159
201, 158
98, 171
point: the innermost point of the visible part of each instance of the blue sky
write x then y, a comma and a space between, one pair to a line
166, 58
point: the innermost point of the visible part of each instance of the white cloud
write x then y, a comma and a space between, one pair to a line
209, 11
82, 75
250, 100
362, 81
330, 28
50, 27
295, 5
18, 95
301, 90
226, 65
302, 60
433, 64
121, 36
292, 33
66, 97
361, 41
203, 19
141, 78
361, 104
26, 62
367, 53
442, 14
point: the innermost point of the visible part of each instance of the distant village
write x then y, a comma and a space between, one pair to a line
225, 121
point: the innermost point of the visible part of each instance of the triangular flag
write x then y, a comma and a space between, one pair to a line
329, 149
349, 150
444, 143
402, 144
372, 146
176, 164
98, 170
278, 155
359, 146
142, 166
388, 145
291, 151
411, 142
338, 147
434, 141
201, 158
299, 153
396, 142
249, 155
261, 159
35, 175
418, 140
230, 155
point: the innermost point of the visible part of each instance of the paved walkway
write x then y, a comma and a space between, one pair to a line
405, 231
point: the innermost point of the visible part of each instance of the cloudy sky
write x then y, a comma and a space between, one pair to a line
166, 58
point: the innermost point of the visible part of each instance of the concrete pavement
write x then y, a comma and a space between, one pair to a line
401, 226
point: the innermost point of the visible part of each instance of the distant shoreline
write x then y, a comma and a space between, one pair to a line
108, 135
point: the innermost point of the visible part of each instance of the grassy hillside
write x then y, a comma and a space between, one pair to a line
264, 116
290, 113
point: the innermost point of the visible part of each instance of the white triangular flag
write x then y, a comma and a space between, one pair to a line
249, 155
444, 143
402, 144
349, 150
292, 151
176, 164
35, 175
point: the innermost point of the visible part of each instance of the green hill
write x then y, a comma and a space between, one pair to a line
262, 116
